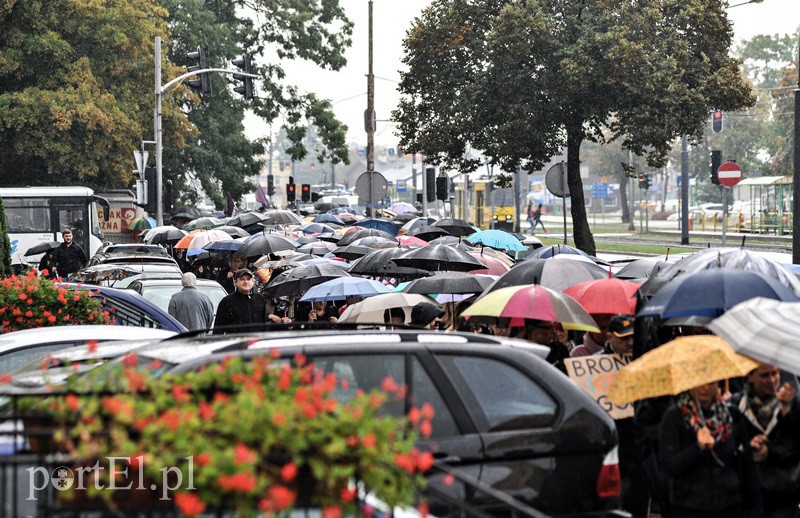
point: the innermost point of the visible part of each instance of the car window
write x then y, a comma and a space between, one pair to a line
215, 293
13, 360
368, 372
507, 397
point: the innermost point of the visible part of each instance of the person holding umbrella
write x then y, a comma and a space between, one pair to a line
705, 451
772, 418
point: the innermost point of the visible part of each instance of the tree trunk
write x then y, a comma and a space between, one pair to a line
581, 232
623, 198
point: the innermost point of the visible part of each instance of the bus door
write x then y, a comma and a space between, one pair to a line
72, 213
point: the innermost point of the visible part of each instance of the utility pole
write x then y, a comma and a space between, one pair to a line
685, 190
370, 117
796, 180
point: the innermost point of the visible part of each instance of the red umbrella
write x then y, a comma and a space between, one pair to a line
411, 240
494, 265
611, 296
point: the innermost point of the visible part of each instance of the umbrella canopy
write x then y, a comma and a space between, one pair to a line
417, 222
196, 241
376, 242
493, 265
205, 222
456, 227
352, 252
328, 218
379, 224
458, 242
190, 211
325, 206
439, 258
427, 232
402, 207
223, 246
497, 239
358, 233
298, 280
557, 275
411, 240
103, 272
552, 251
264, 244
532, 302
763, 329
42, 248
379, 263
304, 240
233, 231
330, 237
315, 228
343, 287
642, 268
371, 310
164, 235
282, 217
246, 219
677, 366
318, 248
405, 217
449, 283
712, 292
605, 296
143, 223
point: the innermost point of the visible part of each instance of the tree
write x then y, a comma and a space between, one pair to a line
518, 79
76, 82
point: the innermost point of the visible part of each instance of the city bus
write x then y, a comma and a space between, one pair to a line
37, 215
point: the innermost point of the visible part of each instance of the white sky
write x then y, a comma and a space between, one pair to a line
392, 18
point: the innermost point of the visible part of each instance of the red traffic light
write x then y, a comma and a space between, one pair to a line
305, 193
716, 121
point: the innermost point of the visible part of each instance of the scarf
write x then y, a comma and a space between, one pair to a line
717, 418
762, 413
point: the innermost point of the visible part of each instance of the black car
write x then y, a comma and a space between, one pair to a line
504, 416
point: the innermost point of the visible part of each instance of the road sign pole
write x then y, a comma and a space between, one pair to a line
724, 214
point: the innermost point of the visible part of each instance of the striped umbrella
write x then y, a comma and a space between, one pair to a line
531, 302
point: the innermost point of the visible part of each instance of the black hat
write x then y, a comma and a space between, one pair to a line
424, 313
242, 272
621, 325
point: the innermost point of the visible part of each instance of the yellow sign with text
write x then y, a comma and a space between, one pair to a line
118, 219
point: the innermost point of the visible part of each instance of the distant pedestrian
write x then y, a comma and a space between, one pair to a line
69, 257
190, 306
426, 315
535, 217
242, 307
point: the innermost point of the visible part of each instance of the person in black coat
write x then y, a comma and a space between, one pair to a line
69, 257
706, 454
772, 419
242, 307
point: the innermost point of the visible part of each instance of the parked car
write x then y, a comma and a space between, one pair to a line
111, 252
160, 291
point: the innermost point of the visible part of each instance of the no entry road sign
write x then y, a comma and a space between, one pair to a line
729, 174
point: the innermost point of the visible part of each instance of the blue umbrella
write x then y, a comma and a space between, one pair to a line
547, 252
496, 239
328, 218
713, 291
343, 287
315, 228
379, 224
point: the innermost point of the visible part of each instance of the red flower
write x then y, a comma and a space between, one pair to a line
352, 441
280, 497
425, 461
274, 353
171, 419
156, 364
5, 378
203, 459
425, 428
427, 411
22, 296
288, 472
219, 397
51, 319
368, 440
189, 504
300, 359
423, 509
136, 381
348, 494
332, 511
406, 462
414, 415
136, 461
285, 380
92, 346
448, 480
206, 411
389, 385
72, 401
117, 406
243, 455
278, 418
130, 360
29, 314
243, 482
180, 394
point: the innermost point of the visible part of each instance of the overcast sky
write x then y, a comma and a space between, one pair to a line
392, 18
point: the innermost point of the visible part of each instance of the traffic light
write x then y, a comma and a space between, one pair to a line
641, 180
716, 161
290, 192
246, 64
305, 193
646, 185
716, 121
442, 188
430, 184
203, 83
169, 196
313, 167
399, 151
270, 185
150, 178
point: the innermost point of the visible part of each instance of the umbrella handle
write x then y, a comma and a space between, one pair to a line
700, 410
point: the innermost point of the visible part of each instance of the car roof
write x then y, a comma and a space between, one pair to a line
56, 334
175, 282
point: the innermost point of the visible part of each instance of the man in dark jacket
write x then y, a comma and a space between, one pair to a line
69, 257
772, 416
242, 307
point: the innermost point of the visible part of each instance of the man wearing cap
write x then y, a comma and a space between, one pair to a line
242, 307
69, 257
620, 336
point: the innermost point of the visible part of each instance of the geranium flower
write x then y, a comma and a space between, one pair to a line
189, 504
289, 472
243, 455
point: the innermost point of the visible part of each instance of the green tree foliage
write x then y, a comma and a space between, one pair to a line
520, 79
5, 243
76, 82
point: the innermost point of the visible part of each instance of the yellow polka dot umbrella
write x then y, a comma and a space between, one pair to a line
677, 366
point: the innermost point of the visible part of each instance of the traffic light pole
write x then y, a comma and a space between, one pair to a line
796, 181
159, 91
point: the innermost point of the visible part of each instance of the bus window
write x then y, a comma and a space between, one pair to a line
27, 215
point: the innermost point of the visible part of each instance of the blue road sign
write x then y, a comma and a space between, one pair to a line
599, 190
401, 186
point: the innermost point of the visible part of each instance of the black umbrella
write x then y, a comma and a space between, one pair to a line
246, 219
167, 236
183, 216
450, 283
376, 242
439, 258
330, 237
366, 232
352, 252
234, 231
457, 242
298, 280
282, 217
319, 248
552, 274
642, 268
42, 248
191, 211
325, 207
405, 217
455, 227
428, 232
265, 244
304, 240
377, 262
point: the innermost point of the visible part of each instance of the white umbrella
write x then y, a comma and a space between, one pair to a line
371, 310
765, 330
